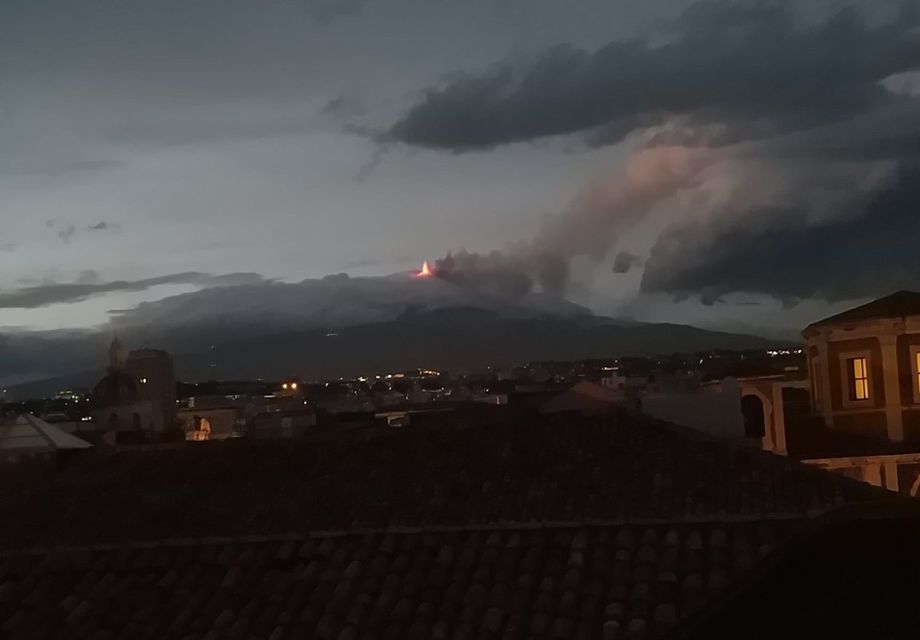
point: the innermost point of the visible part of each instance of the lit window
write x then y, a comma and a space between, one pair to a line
143, 380
917, 369
858, 373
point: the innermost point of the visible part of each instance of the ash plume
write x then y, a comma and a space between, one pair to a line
768, 154
589, 228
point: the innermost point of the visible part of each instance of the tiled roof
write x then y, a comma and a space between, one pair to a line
539, 470
597, 528
583, 396
591, 582
25, 434
895, 305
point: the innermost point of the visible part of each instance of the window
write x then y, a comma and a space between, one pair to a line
915, 371
858, 378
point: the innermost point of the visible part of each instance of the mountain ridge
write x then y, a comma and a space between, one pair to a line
458, 338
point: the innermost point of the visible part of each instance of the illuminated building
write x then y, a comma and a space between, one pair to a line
858, 412
864, 366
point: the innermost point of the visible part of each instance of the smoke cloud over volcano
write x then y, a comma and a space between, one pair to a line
766, 155
588, 228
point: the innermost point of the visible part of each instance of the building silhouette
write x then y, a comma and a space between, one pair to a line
136, 399
154, 373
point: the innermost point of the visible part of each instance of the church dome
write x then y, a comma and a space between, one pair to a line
115, 389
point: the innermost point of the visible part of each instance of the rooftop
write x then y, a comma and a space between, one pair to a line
535, 470
897, 305
610, 526
25, 434
548, 582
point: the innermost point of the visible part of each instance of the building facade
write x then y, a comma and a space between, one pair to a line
136, 399
864, 368
118, 406
857, 412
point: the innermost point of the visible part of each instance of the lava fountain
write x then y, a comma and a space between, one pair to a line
426, 271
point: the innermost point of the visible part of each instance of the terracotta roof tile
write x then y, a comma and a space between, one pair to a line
557, 599
547, 470
621, 540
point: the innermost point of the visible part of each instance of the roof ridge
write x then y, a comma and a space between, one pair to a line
908, 304
324, 534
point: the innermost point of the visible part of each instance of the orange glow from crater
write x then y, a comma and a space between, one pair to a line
426, 271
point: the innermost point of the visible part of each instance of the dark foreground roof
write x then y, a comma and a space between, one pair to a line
554, 582
816, 587
895, 305
539, 470
563, 528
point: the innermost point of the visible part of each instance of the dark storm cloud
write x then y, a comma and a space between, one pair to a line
754, 65
87, 285
774, 154
801, 215
867, 253
828, 213
888, 133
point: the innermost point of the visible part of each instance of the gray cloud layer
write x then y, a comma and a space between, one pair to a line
724, 61
42, 295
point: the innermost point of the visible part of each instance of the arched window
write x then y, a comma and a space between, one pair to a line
752, 411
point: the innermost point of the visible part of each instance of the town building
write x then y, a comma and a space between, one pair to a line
864, 367
155, 375
119, 409
218, 423
136, 399
857, 412
25, 438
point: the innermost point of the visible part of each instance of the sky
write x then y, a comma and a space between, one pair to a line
732, 165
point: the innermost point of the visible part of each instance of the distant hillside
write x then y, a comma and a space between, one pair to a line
449, 339
459, 338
